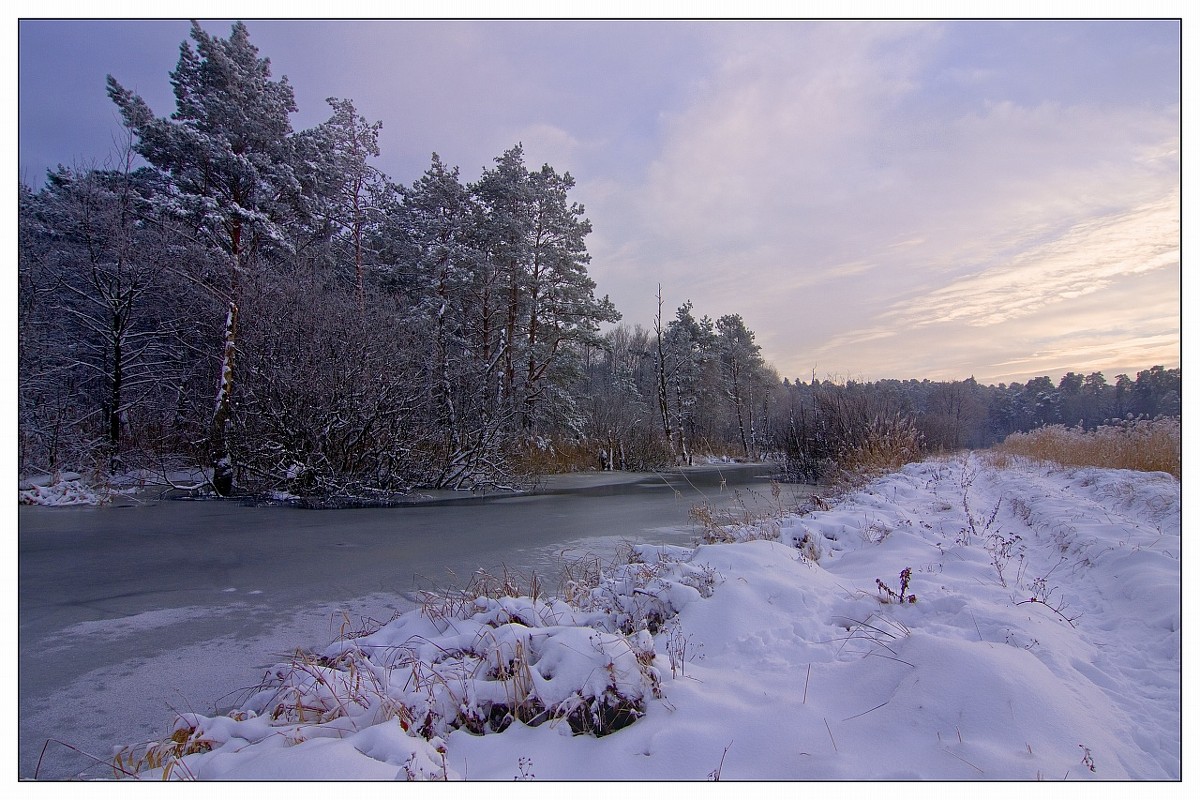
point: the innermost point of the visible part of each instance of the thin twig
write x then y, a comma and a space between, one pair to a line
716, 773
806, 677
867, 625
827, 728
1052, 608
891, 658
42, 755
868, 711
960, 758
977, 629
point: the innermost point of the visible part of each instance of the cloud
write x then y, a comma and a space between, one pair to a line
823, 184
1127, 325
771, 135
749, 179
908, 199
1083, 260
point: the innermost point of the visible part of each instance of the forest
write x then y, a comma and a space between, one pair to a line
263, 302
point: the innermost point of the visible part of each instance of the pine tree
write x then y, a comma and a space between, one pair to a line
740, 360
563, 312
345, 193
505, 230
533, 243
227, 151
689, 356
436, 218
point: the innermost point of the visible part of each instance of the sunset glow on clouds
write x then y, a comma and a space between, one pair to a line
1104, 293
877, 199
1086, 259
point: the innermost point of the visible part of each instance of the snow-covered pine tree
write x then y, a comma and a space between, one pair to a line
443, 275
533, 237
740, 359
688, 355
505, 231
346, 194
563, 311
227, 151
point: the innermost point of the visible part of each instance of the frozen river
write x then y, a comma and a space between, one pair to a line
129, 613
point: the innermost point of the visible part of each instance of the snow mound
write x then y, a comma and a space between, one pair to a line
477, 664
60, 489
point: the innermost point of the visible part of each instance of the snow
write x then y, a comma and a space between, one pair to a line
1044, 643
65, 488
59, 489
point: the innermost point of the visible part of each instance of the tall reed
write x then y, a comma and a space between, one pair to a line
1146, 445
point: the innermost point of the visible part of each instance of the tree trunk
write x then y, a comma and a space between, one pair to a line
222, 458
663, 408
114, 412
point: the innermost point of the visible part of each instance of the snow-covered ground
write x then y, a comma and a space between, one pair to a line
952, 621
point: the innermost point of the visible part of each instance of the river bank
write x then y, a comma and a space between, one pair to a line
73, 489
955, 620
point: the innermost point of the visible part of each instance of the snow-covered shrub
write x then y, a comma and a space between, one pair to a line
647, 592
472, 663
478, 667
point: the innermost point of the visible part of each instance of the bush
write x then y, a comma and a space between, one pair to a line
848, 435
887, 445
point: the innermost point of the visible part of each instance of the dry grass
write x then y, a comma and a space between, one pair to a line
557, 455
754, 516
886, 446
166, 755
749, 516
638, 451
1143, 445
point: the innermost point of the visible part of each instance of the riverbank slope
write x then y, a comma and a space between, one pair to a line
956, 620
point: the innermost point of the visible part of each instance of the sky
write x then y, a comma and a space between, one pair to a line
877, 199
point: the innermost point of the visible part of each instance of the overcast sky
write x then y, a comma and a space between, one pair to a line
912, 199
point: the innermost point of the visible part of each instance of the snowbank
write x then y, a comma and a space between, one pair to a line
951, 621
59, 489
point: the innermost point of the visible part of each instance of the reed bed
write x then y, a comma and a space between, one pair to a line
1145, 445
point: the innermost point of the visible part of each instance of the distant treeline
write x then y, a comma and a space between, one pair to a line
831, 426
265, 303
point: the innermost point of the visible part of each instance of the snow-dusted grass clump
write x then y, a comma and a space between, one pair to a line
952, 621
